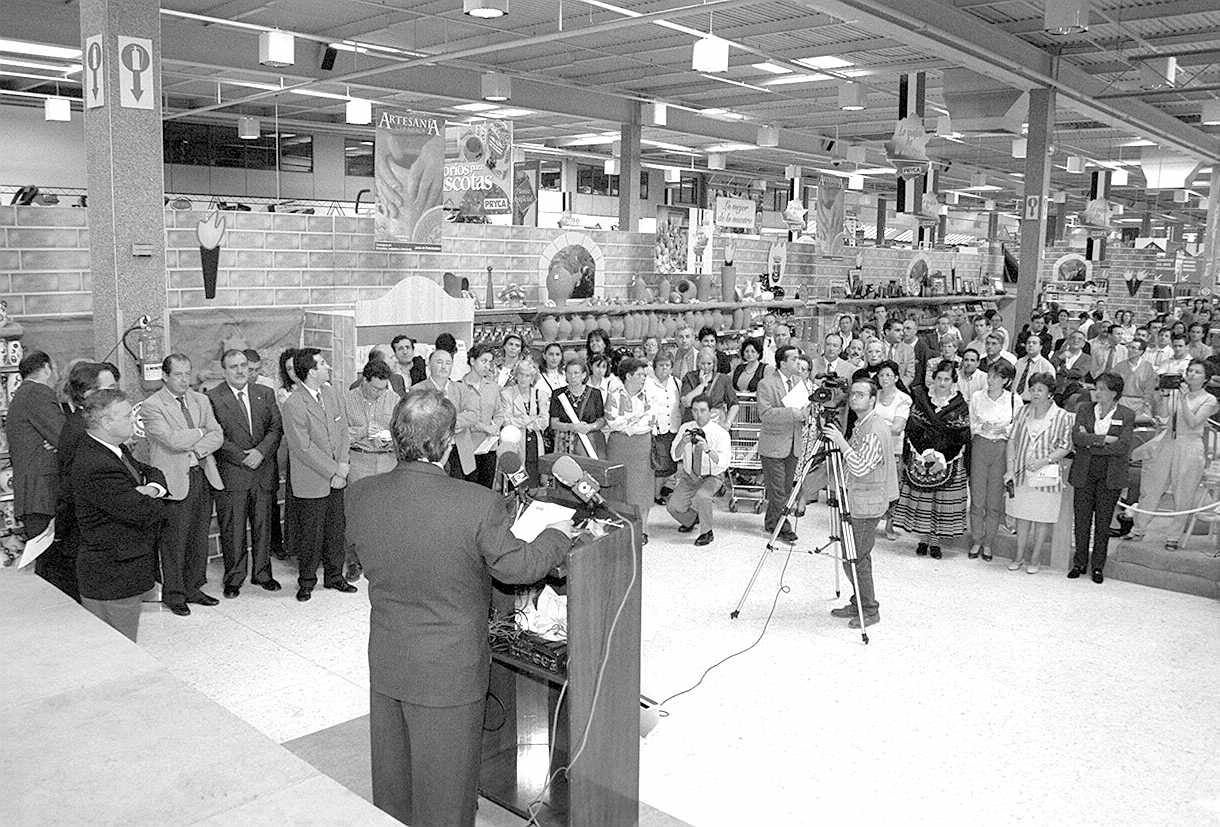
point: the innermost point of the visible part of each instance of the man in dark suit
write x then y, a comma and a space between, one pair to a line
315, 427
250, 421
430, 545
118, 502
1103, 435
779, 439
409, 367
33, 426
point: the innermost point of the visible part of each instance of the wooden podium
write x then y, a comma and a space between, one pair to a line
603, 788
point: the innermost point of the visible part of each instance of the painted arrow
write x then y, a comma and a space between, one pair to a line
136, 58
95, 63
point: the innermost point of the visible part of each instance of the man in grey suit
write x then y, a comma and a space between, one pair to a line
430, 545
182, 435
315, 427
250, 419
779, 440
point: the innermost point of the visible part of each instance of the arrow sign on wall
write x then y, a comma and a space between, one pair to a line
135, 73
95, 73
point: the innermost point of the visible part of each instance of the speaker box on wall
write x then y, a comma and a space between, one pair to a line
328, 58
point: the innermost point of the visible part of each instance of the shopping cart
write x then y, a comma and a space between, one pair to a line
745, 468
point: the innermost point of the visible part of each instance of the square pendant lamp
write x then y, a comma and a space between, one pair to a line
715, 160
276, 48
1211, 113
979, 179
1065, 17
989, 205
1119, 177
610, 166
57, 109
944, 126
1060, 197
660, 113
855, 182
673, 175
1019, 146
1075, 164
710, 54
851, 97
768, 136
248, 128
359, 111
856, 154
496, 87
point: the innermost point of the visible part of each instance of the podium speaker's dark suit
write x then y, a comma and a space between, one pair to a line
1098, 477
119, 529
248, 493
430, 546
33, 426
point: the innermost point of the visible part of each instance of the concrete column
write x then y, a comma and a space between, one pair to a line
629, 203
881, 218
1033, 207
124, 168
1211, 234
567, 182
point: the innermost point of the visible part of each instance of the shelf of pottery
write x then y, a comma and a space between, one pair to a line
10, 357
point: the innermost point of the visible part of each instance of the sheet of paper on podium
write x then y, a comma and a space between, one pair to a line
538, 516
37, 545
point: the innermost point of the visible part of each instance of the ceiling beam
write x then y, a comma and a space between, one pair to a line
976, 45
1153, 11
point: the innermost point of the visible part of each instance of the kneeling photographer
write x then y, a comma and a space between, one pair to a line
702, 449
872, 482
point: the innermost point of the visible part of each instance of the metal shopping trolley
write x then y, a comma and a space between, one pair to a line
745, 468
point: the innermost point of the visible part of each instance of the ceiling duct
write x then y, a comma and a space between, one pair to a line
979, 105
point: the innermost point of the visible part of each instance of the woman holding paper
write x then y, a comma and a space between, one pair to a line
1040, 438
526, 404
578, 415
630, 419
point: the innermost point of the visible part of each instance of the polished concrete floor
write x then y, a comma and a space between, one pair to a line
985, 695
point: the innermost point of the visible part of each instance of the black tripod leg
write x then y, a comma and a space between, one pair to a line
762, 558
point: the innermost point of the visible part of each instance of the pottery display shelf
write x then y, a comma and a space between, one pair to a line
535, 312
900, 301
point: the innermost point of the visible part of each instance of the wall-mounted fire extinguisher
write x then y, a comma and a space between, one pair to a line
149, 351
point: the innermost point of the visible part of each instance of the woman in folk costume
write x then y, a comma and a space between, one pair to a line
578, 415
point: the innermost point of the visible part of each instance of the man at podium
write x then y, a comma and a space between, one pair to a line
430, 545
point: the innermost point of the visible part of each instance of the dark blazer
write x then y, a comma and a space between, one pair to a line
318, 440
1089, 445
66, 531
33, 426
119, 526
720, 393
265, 415
430, 546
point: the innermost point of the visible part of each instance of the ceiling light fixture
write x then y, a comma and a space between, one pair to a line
1064, 17
1119, 177
824, 62
673, 175
660, 113
276, 48
1019, 146
852, 97
715, 160
359, 111
979, 179
710, 54
248, 128
989, 205
944, 126
485, 9
855, 182
1075, 164
771, 68
952, 198
496, 87
768, 135
856, 154
610, 166
57, 109
475, 107
23, 47
1211, 113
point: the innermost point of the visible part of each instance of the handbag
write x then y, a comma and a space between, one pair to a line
1047, 476
928, 477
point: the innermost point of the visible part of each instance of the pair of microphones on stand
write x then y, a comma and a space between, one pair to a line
566, 471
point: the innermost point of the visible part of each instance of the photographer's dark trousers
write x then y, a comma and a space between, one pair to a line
864, 530
777, 480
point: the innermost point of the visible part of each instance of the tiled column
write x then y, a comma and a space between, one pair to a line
1211, 237
1037, 181
125, 169
629, 174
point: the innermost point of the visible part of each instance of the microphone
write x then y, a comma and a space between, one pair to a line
573, 477
513, 469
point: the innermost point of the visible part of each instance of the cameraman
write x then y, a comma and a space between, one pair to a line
703, 450
871, 479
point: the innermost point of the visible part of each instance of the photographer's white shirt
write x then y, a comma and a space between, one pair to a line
717, 440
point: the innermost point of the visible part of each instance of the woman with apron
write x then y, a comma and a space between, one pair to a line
578, 416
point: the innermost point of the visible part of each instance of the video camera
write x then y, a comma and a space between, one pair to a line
831, 390
1169, 382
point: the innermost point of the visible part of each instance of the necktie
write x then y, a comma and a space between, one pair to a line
245, 404
190, 423
1109, 359
131, 469
1024, 375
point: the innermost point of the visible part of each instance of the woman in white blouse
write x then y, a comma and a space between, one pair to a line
665, 398
893, 407
551, 376
992, 412
526, 404
630, 421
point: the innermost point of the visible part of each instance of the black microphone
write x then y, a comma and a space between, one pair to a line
513, 469
572, 476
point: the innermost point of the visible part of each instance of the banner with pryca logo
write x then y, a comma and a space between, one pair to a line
409, 167
479, 168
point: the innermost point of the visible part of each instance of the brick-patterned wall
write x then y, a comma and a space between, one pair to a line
1117, 262
44, 260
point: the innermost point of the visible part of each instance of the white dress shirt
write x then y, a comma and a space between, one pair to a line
1101, 426
700, 463
118, 452
976, 382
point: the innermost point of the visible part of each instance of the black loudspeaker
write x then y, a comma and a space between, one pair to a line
328, 58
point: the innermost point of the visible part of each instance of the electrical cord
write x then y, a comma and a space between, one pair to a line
535, 806
782, 589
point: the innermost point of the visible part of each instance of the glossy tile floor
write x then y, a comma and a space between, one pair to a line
985, 695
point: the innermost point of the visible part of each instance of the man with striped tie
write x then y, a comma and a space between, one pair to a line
702, 450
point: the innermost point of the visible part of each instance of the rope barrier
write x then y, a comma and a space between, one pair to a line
1138, 510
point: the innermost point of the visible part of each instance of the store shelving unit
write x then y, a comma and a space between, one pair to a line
9, 380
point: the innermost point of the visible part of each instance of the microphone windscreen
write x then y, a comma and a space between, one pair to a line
510, 462
567, 471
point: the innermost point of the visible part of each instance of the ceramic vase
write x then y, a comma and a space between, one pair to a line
618, 326
663, 289
578, 327
728, 283
703, 286
603, 322
549, 328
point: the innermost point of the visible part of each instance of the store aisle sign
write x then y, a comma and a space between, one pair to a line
1033, 207
735, 212
408, 176
94, 83
479, 167
136, 73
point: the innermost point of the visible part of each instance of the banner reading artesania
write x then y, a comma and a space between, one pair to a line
479, 167
409, 174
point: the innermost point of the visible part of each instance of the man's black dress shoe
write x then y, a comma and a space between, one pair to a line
1097, 576
934, 552
180, 609
687, 529
788, 535
705, 538
202, 599
346, 588
304, 594
1075, 572
271, 585
232, 591
921, 550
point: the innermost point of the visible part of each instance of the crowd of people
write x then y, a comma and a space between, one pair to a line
986, 428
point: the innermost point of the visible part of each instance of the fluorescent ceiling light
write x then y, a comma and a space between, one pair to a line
587, 139
788, 80
772, 68
509, 113
666, 146
980, 188
477, 106
722, 114
877, 171
22, 47
66, 68
729, 146
32, 76
271, 87
1138, 142
824, 62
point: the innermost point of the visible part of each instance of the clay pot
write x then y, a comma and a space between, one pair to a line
687, 289
618, 326
549, 328
671, 324
654, 325
639, 288
739, 319
703, 285
560, 283
728, 283
590, 324
578, 327
663, 289
604, 323
563, 329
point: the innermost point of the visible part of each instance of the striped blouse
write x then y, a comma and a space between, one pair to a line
1023, 444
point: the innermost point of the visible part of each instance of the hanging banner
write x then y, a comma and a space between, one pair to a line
525, 194
479, 168
830, 216
735, 212
409, 167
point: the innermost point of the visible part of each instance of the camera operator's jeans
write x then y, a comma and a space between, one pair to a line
864, 529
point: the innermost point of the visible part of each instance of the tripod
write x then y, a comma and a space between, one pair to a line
816, 450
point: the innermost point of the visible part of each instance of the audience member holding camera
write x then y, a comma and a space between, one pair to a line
702, 450
872, 483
